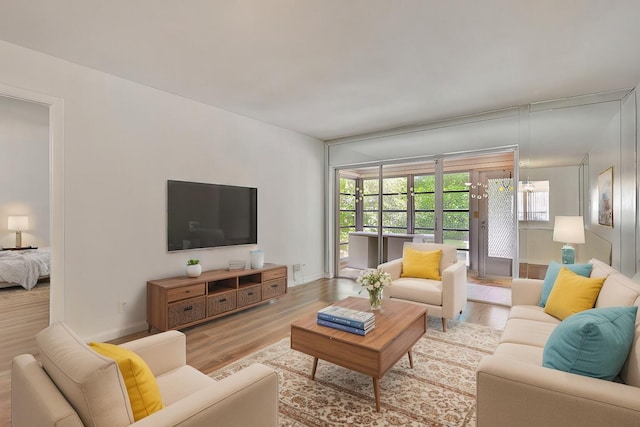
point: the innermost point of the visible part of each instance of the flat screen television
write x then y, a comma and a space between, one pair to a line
203, 215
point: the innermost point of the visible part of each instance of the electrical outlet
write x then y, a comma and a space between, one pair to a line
123, 305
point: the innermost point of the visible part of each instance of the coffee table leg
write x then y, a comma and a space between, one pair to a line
315, 366
376, 392
410, 358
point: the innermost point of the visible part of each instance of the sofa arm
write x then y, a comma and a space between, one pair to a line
514, 393
245, 399
35, 399
526, 291
394, 268
454, 289
163, 352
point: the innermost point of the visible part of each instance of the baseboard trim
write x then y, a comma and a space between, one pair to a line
113, 334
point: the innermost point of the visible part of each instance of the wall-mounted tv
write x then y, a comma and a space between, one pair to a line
203, 215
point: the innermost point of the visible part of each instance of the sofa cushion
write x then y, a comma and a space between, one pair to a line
520, 352
593, 343
527, 332
618, 291
421, 264
600, 269
90, 382
572, 293
531, 312
143, 391
630, 372
424, 291
552, 274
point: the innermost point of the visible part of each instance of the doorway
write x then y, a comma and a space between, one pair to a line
55, 107
25, 130
497, 223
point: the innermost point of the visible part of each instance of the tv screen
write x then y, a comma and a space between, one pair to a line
208, 215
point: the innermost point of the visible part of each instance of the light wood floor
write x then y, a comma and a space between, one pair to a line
210, 346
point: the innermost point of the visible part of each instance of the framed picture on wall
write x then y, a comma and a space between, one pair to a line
605, 197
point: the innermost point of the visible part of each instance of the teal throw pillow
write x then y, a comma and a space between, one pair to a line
593, 343
552, 274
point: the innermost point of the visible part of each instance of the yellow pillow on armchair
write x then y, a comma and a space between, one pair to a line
572, 293
421, 264
144, 394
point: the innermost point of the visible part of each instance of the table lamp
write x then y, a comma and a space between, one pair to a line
18, 224
568, 229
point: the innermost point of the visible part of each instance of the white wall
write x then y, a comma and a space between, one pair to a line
122, 141
24, 170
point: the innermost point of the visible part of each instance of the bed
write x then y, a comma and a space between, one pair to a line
24, 268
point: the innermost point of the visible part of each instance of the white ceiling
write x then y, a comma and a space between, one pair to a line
334, 68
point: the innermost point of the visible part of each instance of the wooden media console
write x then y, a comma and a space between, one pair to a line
179, 302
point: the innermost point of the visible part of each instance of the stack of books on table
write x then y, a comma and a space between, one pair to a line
347, 319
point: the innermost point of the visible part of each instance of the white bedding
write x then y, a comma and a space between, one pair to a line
24, 267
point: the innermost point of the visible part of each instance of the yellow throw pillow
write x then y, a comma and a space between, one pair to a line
572, 293
144, 394
421, 264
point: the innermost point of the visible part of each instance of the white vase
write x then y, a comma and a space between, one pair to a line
194, 270
257, 259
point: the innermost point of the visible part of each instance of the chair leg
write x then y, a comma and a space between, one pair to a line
444, 325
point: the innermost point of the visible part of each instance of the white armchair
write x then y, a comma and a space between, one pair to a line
75, 386
445, 298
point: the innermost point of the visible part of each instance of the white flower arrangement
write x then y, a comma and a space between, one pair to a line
373, 279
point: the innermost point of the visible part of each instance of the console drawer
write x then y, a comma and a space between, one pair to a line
249, 295
274, 288
219, 303
274, 274
184, 292
183, 312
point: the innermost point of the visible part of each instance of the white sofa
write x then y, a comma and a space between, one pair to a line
445, 298
75, 386
514, 389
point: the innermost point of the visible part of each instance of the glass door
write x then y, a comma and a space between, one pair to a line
497, 248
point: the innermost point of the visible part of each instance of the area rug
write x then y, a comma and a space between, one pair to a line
439, 391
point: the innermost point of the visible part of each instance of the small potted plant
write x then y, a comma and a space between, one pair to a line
194, 269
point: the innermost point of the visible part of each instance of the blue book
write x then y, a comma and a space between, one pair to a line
347, 322
347, 316
345, 328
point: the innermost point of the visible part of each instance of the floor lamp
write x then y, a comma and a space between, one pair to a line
567, 230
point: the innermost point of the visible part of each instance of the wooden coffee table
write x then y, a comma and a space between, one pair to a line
399, 325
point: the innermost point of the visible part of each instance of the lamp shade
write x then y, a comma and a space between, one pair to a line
18, 223
568, 229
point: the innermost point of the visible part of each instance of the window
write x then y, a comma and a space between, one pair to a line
394, 205
347, 213
455, 212
370, 205
533, 201
424, 204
